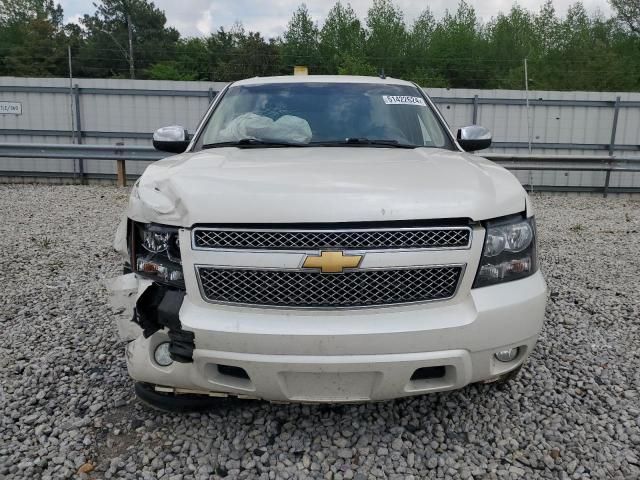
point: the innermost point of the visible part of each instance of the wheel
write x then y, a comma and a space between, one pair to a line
169, 402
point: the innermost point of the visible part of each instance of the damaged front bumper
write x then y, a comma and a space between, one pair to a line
148, 308
328, 356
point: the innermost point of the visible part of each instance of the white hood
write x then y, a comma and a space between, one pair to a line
323, 184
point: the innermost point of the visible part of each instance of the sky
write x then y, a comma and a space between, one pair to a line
270, 17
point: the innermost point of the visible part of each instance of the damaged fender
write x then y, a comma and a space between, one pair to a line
153, 198
124, 292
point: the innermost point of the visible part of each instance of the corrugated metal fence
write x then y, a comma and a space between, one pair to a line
106, 111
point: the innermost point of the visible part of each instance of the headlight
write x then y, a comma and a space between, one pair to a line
509, 251
155, 242
155, 253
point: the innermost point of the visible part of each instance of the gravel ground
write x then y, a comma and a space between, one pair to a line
67, 405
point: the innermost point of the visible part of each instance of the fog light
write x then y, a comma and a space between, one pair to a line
507, 355
162, 356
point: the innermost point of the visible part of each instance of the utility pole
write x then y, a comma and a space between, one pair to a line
529, 127
526, 87
132, 74
73, 126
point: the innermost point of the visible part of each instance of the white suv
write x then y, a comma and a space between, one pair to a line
325, 239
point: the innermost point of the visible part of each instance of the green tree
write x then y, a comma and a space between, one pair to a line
420, 65
355, 65
420, 36
342, 40
510, 39
169, 70
581, 50
256, 57
628, 12
13, 12
458, 49
300, 41
220, 48
109, 29
252, 56
386, 37
584, 58
192, 58
236, 54
32, 38
546, 25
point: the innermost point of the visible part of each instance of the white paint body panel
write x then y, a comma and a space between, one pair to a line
353, 355
335, 355
323, 184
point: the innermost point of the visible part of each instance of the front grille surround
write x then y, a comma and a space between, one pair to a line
410, 238
248, 295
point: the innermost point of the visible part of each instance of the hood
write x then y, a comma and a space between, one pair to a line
323, 184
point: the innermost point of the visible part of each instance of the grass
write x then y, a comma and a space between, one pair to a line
42, 242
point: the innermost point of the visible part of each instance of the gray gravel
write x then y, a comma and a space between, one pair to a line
66, 403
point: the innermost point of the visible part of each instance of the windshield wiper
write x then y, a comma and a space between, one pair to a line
254, 142
351, 141
363, 142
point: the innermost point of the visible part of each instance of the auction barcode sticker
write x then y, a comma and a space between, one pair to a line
403, 100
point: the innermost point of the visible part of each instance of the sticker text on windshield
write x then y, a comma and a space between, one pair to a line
403, 100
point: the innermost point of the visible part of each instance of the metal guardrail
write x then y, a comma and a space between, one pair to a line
568, 163
78, 134
83, 151
128, 153
84, 134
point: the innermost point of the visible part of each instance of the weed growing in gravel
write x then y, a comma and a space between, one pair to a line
578, 227
43, 242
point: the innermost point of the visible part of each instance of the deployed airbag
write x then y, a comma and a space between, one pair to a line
287, 128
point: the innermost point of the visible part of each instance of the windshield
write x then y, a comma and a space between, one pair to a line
306, 114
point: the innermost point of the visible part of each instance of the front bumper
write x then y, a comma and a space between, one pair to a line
350, 355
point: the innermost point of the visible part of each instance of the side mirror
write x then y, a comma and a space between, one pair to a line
174, 139
474, 137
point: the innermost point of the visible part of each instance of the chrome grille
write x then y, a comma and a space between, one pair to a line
425, 237
294, 288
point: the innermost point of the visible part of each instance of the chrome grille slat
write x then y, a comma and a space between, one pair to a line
360, 288
401, 238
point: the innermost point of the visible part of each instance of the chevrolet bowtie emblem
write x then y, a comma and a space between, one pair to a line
332, 262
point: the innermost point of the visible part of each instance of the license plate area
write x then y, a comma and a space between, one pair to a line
329, 386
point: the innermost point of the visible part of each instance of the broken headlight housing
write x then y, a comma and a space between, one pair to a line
155, 253
509, 251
